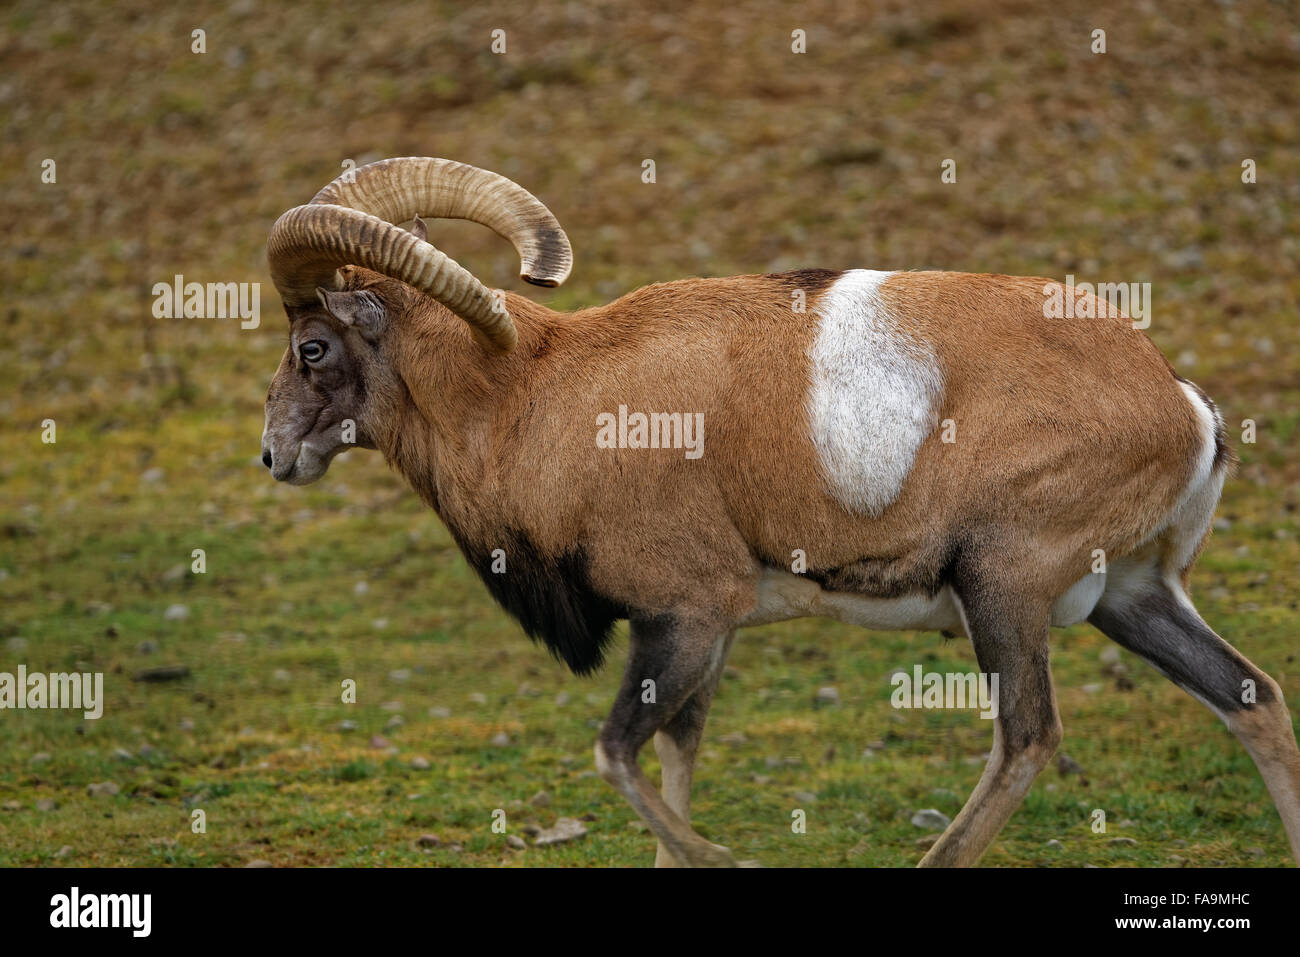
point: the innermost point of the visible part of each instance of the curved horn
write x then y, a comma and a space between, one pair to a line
352, 223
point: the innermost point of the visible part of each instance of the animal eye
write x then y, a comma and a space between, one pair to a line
313, 351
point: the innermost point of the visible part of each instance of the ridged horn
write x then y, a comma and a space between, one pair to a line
352, 222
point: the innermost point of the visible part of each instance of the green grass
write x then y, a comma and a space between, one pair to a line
169, 162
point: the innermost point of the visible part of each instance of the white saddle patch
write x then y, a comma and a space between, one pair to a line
875, 394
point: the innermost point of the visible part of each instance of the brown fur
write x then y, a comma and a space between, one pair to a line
1072, 435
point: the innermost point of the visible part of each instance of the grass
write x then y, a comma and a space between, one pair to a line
1124, 167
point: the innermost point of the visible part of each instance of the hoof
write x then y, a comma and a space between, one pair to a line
715, 856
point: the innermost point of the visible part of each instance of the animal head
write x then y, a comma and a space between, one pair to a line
351, 278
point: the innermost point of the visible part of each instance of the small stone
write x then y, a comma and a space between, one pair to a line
103, 787
1067, 765
259, 862
281, 675
176, 613
392, 706
420, 764
360, 588
378, 742
1092, 687
428, 840
393, 723
540, 799
1109, 655
64, 851
774, 762
16, 645
828, 695
807, 797
1122, 842
478, 697
439, 712
185, 724
12, 805
379, 624
930, 818
501, 739
564, 830
162, 673
735, 739
1127, 822
40, 757
400, 675
863, 846
516, 842
146, 648
561, 699
1055, 845
122, 754
47, 804
347, 725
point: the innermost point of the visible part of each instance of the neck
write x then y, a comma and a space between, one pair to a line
442, 434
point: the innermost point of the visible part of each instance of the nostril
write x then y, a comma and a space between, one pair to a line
266, 458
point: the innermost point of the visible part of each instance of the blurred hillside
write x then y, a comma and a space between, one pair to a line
1119, 167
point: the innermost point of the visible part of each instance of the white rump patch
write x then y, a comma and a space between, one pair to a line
875, 394
1191, 517
1209, 421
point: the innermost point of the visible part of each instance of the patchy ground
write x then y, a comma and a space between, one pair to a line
1124, 167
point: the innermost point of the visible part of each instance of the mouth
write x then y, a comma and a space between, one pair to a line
285, 467
305, 467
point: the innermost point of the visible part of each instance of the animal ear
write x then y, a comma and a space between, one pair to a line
420, 230
362, 310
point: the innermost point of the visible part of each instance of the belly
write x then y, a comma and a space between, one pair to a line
782, 596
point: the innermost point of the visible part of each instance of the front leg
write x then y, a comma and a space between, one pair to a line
671, 663
678, 742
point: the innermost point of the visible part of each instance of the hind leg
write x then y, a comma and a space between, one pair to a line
1009, 631
1153, 617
